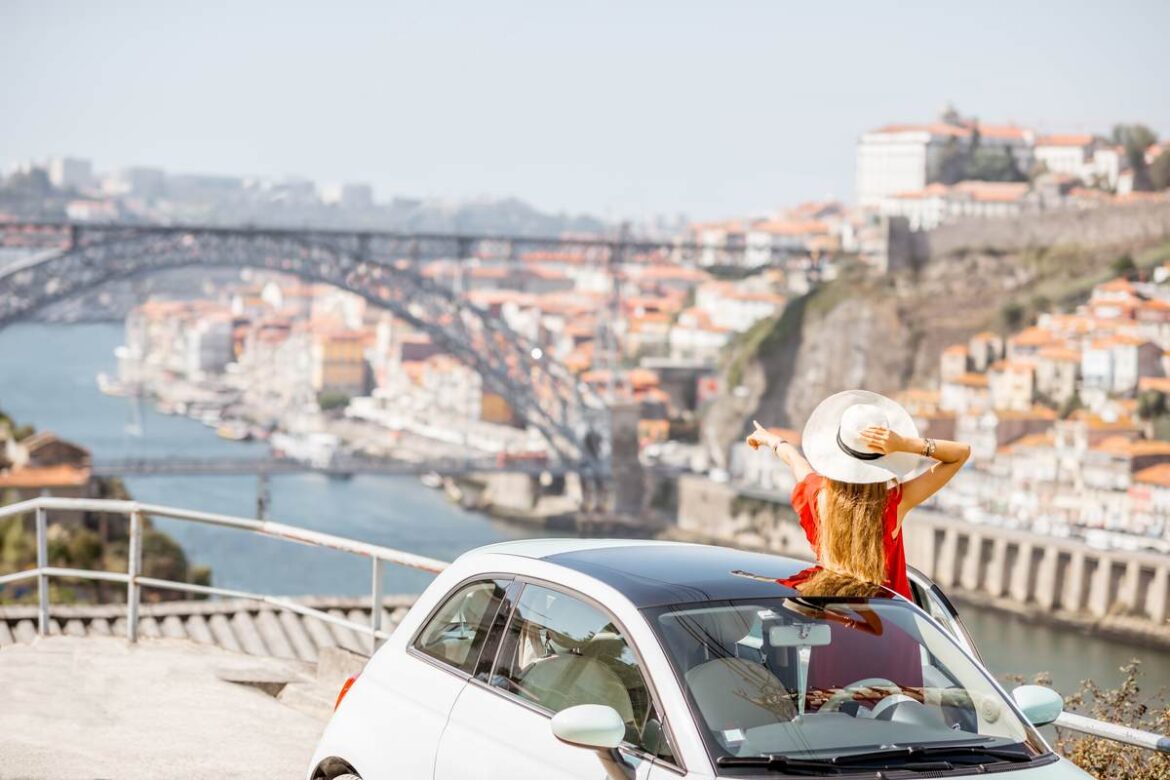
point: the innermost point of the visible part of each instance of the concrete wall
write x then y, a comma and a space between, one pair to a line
1117, 225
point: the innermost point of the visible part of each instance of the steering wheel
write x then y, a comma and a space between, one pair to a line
845, 694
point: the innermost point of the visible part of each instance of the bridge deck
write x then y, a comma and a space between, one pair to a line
101, 707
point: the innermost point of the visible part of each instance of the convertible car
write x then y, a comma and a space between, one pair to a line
569, 658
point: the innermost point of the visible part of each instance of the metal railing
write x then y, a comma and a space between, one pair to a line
134, 581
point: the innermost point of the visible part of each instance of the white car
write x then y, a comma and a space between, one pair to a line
566, 658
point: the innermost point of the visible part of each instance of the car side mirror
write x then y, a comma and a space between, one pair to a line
1039, 704
589, 725
598, 727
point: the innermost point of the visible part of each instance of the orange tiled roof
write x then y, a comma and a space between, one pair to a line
1060, 354
32, 477
993, 191
790, 227
1034, 440
1033, 337
1157, 384
934, 128
1013, 366
971, 380
1154, 475
1066, 139
1035, 413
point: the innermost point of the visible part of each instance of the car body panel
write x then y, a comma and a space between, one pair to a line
482, 716
406, 710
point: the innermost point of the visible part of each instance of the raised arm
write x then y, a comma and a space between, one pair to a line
781, 449
951, 455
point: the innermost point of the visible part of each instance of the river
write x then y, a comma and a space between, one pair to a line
47, 378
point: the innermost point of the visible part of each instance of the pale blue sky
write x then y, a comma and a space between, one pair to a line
615, 108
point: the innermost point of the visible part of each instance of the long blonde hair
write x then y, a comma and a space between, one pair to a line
851, 529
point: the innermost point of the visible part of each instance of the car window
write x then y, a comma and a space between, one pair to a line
458, 629
559, 652
932, 603
818, 678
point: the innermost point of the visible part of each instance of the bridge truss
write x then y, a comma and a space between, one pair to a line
64, 260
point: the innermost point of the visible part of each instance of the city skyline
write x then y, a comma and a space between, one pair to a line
702, 135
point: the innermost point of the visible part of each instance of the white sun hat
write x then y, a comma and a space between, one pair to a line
833, 445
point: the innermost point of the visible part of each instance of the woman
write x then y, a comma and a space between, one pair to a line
855, 488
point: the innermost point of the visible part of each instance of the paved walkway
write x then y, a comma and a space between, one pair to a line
95, 707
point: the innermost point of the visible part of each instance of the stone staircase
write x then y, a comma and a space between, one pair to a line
237, 625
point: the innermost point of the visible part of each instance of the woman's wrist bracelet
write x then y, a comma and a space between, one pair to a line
928, 446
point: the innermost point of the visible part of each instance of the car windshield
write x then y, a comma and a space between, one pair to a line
826, 678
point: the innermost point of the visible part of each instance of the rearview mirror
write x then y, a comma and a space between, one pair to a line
800, 635
589, 725
1039, 704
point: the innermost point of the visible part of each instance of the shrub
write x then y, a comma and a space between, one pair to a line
1126, 704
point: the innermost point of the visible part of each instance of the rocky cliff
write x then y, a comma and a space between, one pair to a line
886, 333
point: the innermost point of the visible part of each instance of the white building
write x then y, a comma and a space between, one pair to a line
348, 196
209, 346
900, 158
736, 309
70, 173
1083, 155
695, 337
907, 157
929, 207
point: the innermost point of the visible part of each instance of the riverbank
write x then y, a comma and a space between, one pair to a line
1133, 631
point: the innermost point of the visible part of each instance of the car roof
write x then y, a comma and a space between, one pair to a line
653, 573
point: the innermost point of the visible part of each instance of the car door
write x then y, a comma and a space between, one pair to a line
402, 706
558, 650
931, 600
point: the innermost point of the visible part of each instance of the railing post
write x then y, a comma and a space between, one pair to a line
375, 605
42, 578
133, 564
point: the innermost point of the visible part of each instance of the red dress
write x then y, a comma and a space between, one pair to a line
804, 501
885, 650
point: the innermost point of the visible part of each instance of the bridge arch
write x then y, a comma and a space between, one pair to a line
543, 393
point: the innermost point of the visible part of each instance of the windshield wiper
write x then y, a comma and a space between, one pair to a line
926, 751
796, 766
908, 758
820, 766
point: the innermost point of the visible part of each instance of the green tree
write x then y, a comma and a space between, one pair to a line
19, 546
994, 164
1160, 172
1123, 266
331, 401
1136, 139
162, 557
1012, 315
952, 162
1071, 404
84, 549
1151, 404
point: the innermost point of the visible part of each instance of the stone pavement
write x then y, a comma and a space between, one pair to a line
99, 707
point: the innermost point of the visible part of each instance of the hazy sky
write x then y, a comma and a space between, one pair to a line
616, 108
